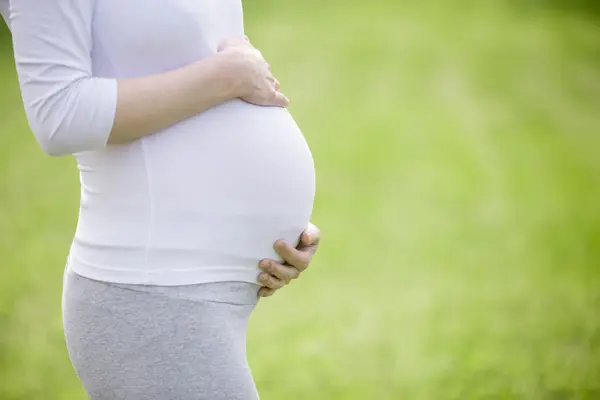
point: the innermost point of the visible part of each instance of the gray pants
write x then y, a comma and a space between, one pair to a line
130, 342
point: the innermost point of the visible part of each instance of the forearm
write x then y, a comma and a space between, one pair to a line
70, 110
148, 104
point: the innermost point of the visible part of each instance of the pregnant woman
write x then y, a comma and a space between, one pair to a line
191, 169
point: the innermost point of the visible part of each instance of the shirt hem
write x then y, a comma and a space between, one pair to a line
167, 277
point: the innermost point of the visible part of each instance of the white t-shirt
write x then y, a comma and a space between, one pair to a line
201, 201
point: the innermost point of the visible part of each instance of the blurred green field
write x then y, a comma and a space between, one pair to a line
457, 151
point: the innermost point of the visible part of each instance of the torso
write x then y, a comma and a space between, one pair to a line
205, 199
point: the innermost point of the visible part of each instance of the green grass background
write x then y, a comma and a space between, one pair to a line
457, 151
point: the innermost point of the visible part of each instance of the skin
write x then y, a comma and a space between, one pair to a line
277, 275
148, 104
262, 88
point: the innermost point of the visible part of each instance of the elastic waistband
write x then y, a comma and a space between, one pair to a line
230, 292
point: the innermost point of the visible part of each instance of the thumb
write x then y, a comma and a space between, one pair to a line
311, 235
306, 238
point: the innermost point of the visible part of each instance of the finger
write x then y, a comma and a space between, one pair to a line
285, 273
280, 99
266, 292
299, 259
270, 281
274, 82
311, 236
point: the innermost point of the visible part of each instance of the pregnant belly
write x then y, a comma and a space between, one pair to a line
229, 182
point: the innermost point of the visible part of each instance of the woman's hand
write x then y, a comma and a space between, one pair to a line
276, 275
257, 83
234, 41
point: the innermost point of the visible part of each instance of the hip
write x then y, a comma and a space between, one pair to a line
134, 341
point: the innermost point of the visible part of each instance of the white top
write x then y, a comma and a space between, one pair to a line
201, 201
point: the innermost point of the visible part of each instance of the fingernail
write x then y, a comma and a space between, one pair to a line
279, 245
263, 277
263, 264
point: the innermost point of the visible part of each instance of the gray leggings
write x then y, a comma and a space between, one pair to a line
130, 342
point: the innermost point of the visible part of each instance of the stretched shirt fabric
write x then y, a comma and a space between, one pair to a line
201, 201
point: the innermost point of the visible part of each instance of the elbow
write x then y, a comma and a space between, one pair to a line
74, 119
53, 147
62, 140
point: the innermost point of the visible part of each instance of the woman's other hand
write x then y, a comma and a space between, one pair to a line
276, 275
